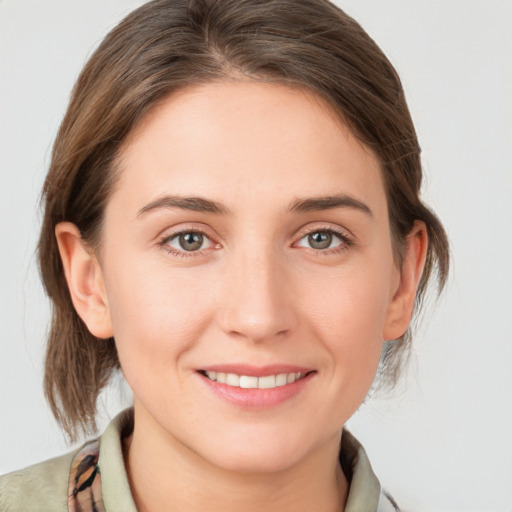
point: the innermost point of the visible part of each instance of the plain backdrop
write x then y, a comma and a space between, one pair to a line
443, 440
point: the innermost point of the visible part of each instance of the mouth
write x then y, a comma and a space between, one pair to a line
256, 388
253, 381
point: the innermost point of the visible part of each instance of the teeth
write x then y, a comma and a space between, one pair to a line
232, 379
267, 382
248, 382
252, 382
281, 379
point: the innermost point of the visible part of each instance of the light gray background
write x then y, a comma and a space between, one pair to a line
443, 440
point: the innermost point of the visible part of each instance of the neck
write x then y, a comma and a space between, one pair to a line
166, 475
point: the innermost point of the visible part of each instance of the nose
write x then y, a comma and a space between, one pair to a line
257, 302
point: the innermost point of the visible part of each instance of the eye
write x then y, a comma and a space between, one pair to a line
187, 241
323, 239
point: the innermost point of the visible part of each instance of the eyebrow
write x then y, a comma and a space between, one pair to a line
313, 204
196, 204
300, 205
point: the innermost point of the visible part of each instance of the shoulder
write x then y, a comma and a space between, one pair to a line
43, 486
365, 491
387, 503
72, 480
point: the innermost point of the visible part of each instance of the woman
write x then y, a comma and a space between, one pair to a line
232, 218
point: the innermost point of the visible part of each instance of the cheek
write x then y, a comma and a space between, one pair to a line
157, 314
352, 301
348, 314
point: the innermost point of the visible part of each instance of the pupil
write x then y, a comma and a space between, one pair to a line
320, 240
191, 241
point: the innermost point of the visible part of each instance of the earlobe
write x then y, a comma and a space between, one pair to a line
85, 280
401, 306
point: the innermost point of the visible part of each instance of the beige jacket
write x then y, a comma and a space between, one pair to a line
45, 487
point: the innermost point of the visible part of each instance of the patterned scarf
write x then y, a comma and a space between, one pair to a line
85, 481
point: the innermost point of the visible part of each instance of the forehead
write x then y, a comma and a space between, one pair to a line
237, 140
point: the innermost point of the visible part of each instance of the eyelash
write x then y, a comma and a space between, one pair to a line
346, 242
164, 243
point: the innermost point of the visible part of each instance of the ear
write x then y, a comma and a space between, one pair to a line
401, 306
85, 280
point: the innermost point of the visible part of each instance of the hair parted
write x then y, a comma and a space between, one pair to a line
167, 45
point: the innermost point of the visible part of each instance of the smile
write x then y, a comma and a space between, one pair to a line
254, 382
256, 388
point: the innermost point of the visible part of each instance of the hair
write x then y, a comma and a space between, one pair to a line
168, 45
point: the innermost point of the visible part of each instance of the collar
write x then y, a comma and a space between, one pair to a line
98, 481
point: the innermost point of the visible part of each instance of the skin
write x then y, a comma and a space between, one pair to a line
256, 292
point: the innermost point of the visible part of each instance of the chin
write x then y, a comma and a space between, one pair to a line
260, 462
257, 453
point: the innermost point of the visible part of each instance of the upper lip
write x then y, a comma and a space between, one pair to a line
256, 371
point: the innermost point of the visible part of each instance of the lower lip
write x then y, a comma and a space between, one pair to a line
256, 398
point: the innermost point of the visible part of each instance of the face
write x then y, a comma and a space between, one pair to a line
248, 273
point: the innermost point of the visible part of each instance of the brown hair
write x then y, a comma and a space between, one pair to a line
167, 45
